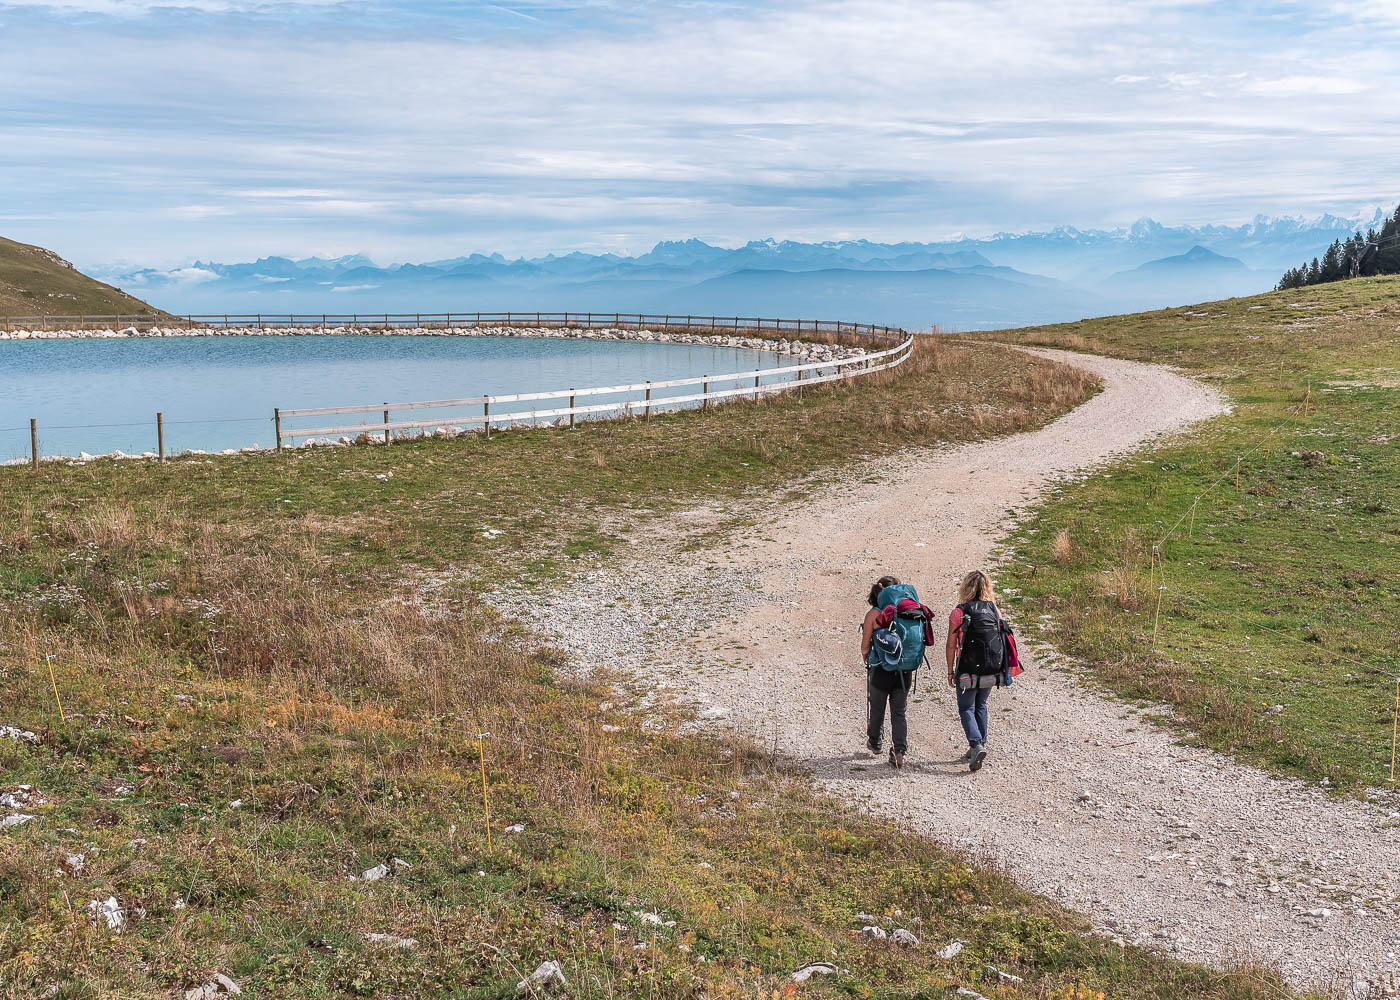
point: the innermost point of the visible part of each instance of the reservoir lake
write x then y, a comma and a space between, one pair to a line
99, 396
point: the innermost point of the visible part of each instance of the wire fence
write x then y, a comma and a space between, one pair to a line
456, 321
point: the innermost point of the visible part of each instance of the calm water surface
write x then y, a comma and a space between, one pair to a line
100, 396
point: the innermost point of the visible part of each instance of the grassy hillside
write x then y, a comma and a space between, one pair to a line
266, 689
37, 282
1276, 636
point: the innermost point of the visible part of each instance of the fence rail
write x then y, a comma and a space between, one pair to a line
639, 394
795, 377
458, 320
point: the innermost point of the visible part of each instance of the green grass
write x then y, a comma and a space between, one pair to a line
250, 631
36, 282
1281, 591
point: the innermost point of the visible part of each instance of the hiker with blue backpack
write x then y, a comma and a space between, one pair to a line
981, 654
897, 629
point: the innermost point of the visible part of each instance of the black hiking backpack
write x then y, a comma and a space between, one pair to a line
983, 649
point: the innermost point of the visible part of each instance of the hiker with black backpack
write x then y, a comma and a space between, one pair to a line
981, 654
897, 628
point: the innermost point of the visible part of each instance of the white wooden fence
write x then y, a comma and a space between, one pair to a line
639, 398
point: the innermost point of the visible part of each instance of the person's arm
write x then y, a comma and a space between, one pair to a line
950, 650
867, 630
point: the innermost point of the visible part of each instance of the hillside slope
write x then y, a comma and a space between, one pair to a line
1274, 529
273, 672
38, 282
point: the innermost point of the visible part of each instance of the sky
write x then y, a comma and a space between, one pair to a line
156, 132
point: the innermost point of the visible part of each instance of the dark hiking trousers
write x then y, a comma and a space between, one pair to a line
883, 686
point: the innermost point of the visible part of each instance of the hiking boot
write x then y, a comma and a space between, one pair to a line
979, 754
896, 758
967, 756
873, 747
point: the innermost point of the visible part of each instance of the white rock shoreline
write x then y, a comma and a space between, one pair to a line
803, 351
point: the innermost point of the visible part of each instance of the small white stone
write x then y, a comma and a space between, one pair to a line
952, 949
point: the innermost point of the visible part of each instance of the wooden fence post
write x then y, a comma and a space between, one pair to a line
799, 383
33, 444
571, 407
160, 436
277, 425
705, 394
386, 420
486, 412
646, 413
755, 383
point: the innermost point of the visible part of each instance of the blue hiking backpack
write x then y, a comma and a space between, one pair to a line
910, 630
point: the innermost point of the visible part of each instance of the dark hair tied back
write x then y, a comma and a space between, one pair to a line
879, 585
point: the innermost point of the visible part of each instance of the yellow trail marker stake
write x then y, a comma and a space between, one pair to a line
1394, 730
485, 805
54, 681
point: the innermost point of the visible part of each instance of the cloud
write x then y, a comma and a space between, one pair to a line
1295, 86
419, 130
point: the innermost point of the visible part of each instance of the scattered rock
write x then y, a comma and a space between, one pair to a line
375, 874
904, 938
548, 974
16, 819
815, 969
15, 733
952, 949
878, 933
1005, 978
108, 911
24, 795
391, 940
220, 985
516, 828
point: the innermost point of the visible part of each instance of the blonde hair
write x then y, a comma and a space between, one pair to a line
976, 586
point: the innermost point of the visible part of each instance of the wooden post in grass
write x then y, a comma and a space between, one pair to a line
646, 413
571, 407
160, 436
705, 394
799, 384
33, 444
755, 383
386, 420
485, 803
486, 413
277, 425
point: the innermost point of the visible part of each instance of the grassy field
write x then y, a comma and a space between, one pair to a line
37, 282
1276, 638
257, 707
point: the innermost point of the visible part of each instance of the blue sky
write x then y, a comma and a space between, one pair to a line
145, 132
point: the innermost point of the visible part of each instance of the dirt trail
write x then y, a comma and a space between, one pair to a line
1084, 799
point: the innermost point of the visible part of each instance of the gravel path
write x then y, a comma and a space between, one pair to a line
1082, 798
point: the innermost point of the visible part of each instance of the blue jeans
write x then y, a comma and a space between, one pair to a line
972, 710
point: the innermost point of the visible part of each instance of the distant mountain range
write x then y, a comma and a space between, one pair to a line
1003, 280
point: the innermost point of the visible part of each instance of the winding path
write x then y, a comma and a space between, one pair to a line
1082, 798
